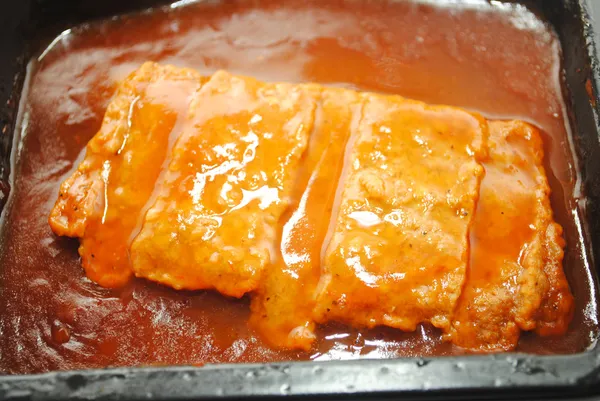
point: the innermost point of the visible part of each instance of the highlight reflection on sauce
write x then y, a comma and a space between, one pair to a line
501, 61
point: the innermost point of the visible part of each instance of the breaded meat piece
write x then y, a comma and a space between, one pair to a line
213, 221
101, 201
399, 245
515, 279
283, 306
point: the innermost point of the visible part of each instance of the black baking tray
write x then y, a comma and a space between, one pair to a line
25, 26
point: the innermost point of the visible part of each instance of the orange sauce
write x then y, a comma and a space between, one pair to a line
499, 60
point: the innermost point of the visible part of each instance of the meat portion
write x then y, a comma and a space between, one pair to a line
325, 204
213, 222
102, 199
283, 306
399, 248
515, 281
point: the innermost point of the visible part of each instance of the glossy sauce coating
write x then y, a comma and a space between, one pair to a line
512, 241
399, 249
101, 202
502, 62
398, 253
283, 308
213, 222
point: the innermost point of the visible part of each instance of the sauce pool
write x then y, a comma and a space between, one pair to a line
500, 60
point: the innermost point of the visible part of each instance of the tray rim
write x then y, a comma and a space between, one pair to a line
468, 376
